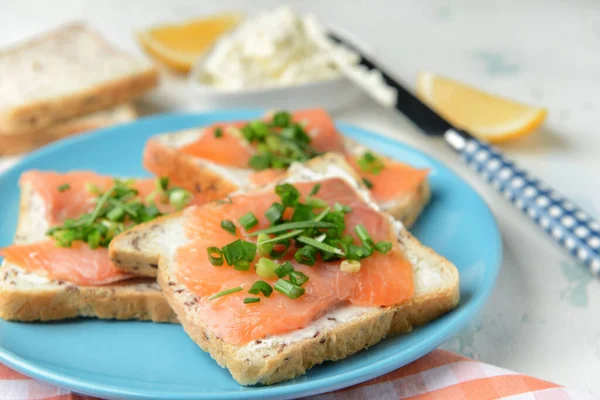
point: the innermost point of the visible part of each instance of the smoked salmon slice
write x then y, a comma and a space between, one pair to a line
66, 196
383, 279
224, 144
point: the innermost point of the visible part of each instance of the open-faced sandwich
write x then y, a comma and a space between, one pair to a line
274, 280
59, 267
216, 160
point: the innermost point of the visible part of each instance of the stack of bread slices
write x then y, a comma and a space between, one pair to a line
64, 82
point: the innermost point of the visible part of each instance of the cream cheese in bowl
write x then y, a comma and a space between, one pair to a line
272, 60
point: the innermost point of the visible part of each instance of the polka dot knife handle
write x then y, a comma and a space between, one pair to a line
564, 222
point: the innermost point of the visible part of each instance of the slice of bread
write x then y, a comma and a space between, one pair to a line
137, 250
66, 73
163, 158
22, 142
336, 335
26, 296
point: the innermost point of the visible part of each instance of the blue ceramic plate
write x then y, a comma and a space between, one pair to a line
146, 360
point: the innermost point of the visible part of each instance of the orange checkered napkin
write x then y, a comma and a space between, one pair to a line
438, 375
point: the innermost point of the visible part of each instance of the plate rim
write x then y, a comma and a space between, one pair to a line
460, 316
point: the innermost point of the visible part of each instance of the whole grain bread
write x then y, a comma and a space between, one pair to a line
162, 157
69, 72
278, 358
22, 142
26, 296
137, 250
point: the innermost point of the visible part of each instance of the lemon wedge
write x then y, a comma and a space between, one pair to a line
493, 118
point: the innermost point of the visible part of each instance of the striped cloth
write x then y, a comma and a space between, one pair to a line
438, 375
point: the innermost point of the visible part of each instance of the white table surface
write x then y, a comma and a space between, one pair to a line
543, 317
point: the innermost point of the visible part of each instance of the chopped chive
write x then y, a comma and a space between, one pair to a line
162, 183
298, 278
274, 213
261, 287
116, 214
218, 132
368, 183
249, 300
92, 188
315, 189
294, 225
265, 268
64, 187
93, 239
225, 293
355, 252
306, 255
383, 247
215, 256
363, 235
265, 247
319, 245
303, 212
179, 198
289, 289
315, 202
283, 237
239, 250
288, 193
284, 269
248, 220
282, 119
337, 207
258, 162
241, 265
369, 163
228, 226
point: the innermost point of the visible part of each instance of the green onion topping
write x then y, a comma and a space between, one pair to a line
228, 226
218, 132
249, 300
274, 213
225, 293
239, 250
261, 287
383, 247
116, 210
265, 268
64, 187
315, 189
289, 289
285, 269
248, 220
368, 183
215, 256
370, 163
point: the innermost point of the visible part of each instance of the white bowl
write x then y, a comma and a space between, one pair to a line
331, 94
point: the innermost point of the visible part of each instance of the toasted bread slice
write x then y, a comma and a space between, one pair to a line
56, 76
22, 142
26, 296
162, 157
336, 335
137, 252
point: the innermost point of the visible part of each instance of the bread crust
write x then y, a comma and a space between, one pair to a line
186, 171
289, 361
32, 117
21, 142
139, 298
